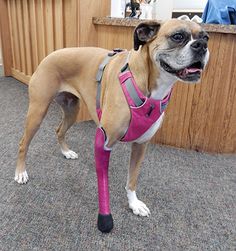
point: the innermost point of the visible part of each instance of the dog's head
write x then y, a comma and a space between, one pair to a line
178, 48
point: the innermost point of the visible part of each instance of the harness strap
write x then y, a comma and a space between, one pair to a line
100, 72
99, 75
132, 92
126, 78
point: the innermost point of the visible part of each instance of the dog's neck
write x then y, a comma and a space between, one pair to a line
152, 81
164, 84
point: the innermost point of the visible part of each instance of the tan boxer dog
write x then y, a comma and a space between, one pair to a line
162, 54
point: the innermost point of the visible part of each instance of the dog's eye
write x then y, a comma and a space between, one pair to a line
177, 37
206, 38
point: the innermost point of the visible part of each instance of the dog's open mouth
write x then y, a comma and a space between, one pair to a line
189, 73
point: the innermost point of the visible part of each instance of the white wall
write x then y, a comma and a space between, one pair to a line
189, 4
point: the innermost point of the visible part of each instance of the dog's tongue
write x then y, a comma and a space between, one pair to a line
193, 70
187, 71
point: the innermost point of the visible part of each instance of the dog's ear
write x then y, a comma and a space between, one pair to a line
144, 33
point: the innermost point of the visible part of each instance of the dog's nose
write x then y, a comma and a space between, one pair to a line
199, 46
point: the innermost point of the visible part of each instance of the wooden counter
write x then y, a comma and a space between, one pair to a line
129, 22
199, 116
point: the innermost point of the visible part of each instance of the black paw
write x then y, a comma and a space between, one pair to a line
105, 223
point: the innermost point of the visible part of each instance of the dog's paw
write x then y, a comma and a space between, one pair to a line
21, 178
69, 154
137, 206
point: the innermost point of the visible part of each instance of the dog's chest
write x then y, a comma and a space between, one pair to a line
151, 131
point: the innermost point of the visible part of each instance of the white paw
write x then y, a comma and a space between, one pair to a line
137, 206
21, 178
70, 154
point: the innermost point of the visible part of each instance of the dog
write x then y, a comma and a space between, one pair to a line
126, 93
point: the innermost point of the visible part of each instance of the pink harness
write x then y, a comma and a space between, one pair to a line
144, 111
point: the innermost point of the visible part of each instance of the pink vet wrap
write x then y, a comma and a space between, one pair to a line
102, 157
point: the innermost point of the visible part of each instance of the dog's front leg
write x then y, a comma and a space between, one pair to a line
102, 156
137, 156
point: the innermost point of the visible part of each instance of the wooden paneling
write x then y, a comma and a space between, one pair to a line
89, 9
58, 25
38, 27
5, 37
27, 41
118, 37
200, 116
70, 22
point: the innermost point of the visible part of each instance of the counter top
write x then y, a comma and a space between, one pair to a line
129, 22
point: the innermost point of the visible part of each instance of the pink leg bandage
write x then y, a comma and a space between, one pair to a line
102, 157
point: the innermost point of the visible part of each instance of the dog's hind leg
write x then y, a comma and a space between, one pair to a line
35, 115
137, 156
70, 108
